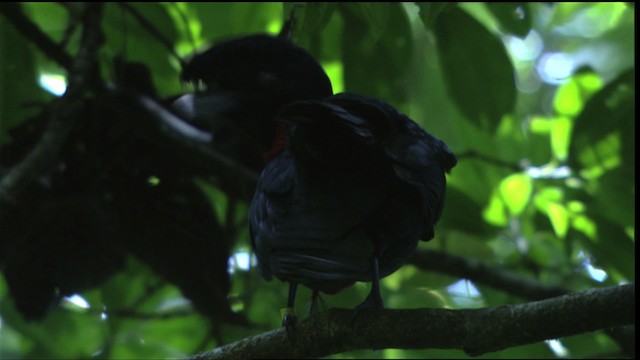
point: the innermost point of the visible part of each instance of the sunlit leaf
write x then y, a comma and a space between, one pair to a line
560, 137
479, 75
495, 212
571, 96
547, 195
515, 191
559, 218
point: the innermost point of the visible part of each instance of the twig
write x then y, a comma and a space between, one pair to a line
151, 29
475, 331
473, 154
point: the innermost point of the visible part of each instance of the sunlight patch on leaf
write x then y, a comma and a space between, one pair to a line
571, 96
515, 191
603, 156
540, 124
495, 212
335, 71
560, 137
586, 226
559, 218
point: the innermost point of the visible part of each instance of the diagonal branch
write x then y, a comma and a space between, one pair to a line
63, 114
151, 29
14, 14
476, 331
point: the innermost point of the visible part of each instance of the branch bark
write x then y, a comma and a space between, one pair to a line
476, 331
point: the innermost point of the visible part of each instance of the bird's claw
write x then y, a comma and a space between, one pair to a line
289, 321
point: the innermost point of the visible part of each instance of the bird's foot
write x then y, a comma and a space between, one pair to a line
373, 301
289, 320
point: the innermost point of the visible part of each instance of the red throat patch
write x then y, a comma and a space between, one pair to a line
279, 143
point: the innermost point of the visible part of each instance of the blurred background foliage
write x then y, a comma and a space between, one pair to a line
536, 99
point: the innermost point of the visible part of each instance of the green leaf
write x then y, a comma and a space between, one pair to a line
514, 17
310, 19
465, 214
605, 129
391, 51
571, 96
126, 37
228, 19
560, 137
429, 11
495, 212
515, 191
480, 77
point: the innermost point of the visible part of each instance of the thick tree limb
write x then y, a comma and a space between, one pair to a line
40, 159
507, 281
476, 331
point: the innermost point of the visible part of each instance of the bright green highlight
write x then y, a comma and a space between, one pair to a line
515, 191
571, 96
561, 137
334, 70
495, 213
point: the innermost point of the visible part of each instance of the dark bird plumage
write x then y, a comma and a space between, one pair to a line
349, 185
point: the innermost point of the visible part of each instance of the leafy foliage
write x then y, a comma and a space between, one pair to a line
537, 101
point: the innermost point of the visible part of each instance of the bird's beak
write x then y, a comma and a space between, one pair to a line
206, 110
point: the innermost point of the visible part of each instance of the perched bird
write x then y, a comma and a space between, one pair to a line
349, 184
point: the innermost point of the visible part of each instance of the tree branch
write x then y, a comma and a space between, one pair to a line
13, 13
502, 279
477, 271
497, 162
41, 158
476, 331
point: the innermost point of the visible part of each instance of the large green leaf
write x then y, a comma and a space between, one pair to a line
429, 11
376, 66
479, 75
310, 19
604, 132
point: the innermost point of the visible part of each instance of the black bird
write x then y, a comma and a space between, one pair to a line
349, 185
